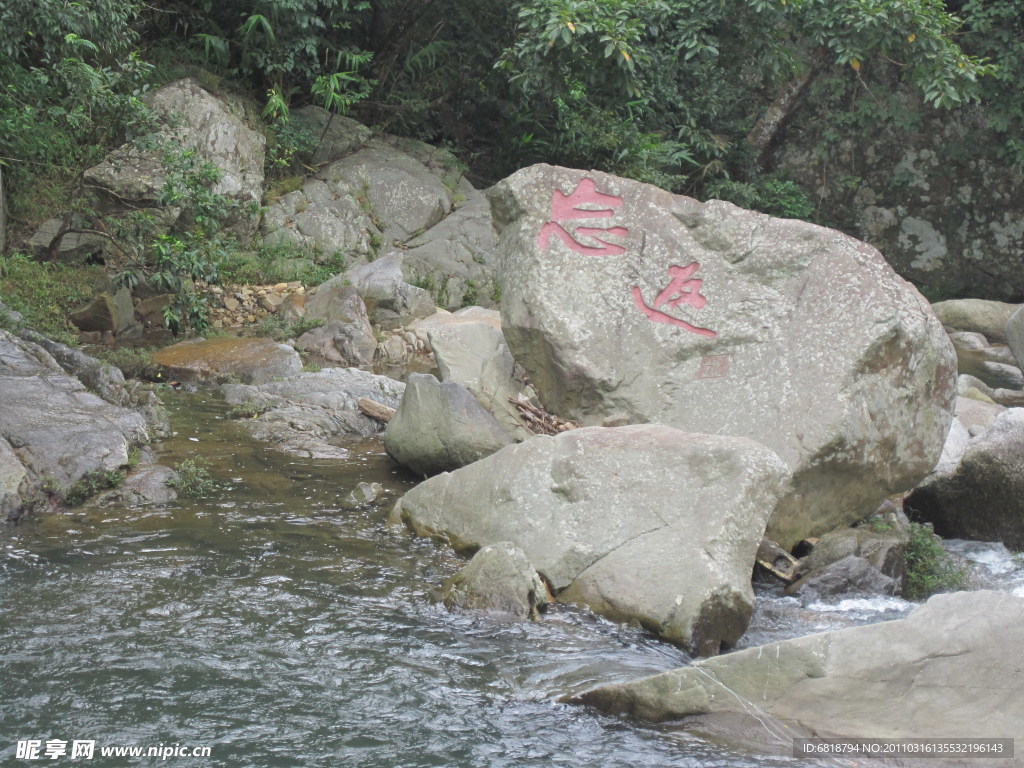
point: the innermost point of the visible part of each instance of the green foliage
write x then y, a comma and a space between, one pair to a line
194, 479
994, 29
691, 77
281, 264
194, 249
775, 196
70, 82
930, 569
91, 483
45, 292
470, 297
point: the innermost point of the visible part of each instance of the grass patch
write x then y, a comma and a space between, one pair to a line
91, 483
281, 264
279, 329
930, 569
134, 362
248, 409
45, 293
194, 479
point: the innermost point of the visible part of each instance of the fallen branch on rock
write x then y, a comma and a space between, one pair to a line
539, 421
375, 410
777, 561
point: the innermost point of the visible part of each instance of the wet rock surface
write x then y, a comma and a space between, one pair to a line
943, 671
53, 431
595, 511
314, 414
981, 496
498, 579
251, 361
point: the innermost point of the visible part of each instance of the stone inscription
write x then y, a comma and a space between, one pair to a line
681, 289
567, 208
586, 202
713, 367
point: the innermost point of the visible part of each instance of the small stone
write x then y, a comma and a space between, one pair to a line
250, 319
231, 304
280, 287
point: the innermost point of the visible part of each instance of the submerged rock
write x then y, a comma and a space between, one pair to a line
625, 304
146, 484
943, 672
499, 579
251, 361
440, 427
641, 523
850, 575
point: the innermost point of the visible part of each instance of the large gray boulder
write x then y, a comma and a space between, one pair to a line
390, 301
397, 189
314, 415
982, 496
454, 259
440, 427
945, 671
641, 523
324, 216
625, 304
340, 343
499, 579
192, 119
347, 336
338, 135
106, 381
1014, 331
475, 355
52, 430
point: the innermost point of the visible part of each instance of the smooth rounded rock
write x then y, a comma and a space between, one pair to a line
250, 361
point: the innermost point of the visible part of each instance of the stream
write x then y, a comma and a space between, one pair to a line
279, 624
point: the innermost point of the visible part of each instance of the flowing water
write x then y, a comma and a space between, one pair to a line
279, 624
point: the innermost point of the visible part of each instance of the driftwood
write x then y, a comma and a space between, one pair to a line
777, 561
375, 410
539, 421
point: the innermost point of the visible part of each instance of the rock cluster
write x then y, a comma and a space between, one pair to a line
626, 304
234, 306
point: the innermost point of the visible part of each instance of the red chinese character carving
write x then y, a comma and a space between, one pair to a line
682, 289
565, 207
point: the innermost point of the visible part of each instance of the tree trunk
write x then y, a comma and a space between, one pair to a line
765, 129
3, 213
